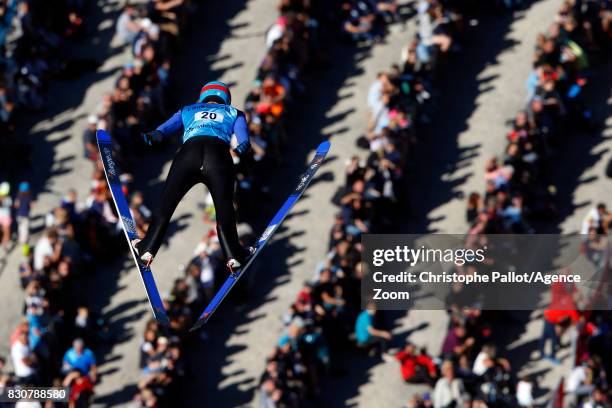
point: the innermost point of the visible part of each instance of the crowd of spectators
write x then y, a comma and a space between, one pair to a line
54, 343
587, 385
518, 192
33, 35
518, 186
519, 189
326, 317
468, 370
81, 233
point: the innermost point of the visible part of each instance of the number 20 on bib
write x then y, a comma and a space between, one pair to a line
209, 116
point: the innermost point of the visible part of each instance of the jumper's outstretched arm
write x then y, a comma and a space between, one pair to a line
241, 130
173, 124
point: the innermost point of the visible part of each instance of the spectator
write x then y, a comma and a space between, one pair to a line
24, 360
416, 368
80, 359
561, 313
474, 207
127, 28
81, 389
524, 395
361, 24
6, 218
23, 207
367, 335
47, 249
269, 395
90, 144
449, 390
457, 341
596, 218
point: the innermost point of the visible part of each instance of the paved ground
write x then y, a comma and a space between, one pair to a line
493, 70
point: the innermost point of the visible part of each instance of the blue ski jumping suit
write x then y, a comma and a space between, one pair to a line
204, 157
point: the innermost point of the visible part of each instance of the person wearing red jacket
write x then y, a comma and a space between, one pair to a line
416, 368
562, 312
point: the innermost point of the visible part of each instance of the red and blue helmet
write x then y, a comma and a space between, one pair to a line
216, 89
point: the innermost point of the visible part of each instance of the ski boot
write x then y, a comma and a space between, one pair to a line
145, 259
234, 265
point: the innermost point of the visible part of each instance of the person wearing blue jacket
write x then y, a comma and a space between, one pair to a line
204, 157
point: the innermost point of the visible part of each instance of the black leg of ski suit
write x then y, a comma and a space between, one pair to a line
200, 160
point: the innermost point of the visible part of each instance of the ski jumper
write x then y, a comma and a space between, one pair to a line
204, 157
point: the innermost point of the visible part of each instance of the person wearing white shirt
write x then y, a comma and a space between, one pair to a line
23, 359
449, 390
524, 393
594, 219
375, 92
45, 247
28, 404
127, 28
480, 365
275, 33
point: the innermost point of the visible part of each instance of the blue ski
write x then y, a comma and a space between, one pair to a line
112, 172
229, 283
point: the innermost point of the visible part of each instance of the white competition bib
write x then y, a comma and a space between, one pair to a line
205, 115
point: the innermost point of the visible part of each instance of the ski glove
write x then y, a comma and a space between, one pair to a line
243, 148
154, 136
